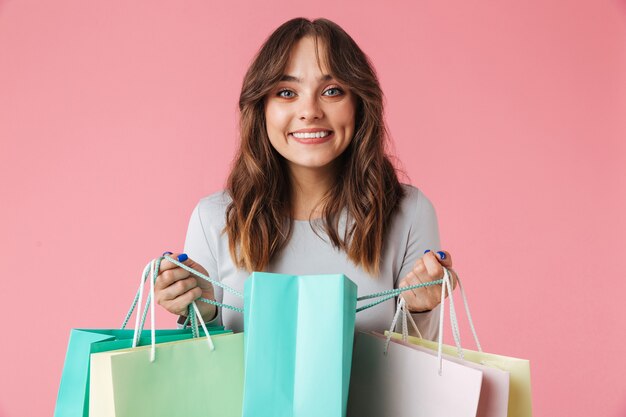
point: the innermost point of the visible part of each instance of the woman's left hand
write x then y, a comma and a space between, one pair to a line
427, 268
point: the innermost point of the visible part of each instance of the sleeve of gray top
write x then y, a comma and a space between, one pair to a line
424, 234
197, 247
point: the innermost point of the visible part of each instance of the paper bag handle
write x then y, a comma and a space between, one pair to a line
152, 271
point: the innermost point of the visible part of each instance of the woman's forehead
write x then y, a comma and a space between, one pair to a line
303, 53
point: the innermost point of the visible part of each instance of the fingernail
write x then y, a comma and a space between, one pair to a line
182, 257
426, 251
167, 253
442, 255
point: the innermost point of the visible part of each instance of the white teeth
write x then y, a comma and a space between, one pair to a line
312, 135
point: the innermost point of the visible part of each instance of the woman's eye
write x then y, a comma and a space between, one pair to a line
280, 93
338, 90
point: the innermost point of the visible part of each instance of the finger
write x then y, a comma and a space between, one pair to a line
176, 289
169, 277
429, 269
180, 257
442, 256
181, 303
433, 269
423, 275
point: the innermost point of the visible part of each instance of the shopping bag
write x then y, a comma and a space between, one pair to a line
520, 401
186, 378
73, 394
494, 391
404, 382
519, 395
299, 333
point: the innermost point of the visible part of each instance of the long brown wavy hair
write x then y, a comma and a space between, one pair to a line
259, 218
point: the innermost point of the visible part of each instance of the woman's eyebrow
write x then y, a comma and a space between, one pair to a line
286, 77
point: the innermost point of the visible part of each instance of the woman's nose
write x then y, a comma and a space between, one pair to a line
310, 108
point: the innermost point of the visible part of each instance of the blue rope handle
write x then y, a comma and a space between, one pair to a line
386, 295
194, 321
146, 272
389, 294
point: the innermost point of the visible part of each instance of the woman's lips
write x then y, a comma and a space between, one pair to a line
313, 141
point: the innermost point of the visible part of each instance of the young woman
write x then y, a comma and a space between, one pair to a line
311, 190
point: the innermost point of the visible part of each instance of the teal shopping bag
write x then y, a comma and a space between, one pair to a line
73, 395
298, 338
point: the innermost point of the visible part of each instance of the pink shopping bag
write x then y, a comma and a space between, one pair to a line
494, 392
405, 382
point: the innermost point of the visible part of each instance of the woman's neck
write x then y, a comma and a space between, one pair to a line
308, 187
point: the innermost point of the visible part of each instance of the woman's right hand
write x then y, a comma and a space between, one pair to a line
175, 288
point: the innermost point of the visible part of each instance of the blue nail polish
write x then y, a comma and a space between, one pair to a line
182, 257
426, 251
167, 253
442, 255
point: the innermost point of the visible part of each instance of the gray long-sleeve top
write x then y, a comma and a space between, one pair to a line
413, 230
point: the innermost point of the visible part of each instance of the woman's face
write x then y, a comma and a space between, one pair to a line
308, 100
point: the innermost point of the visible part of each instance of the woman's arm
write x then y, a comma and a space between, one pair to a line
176, 288
422, 266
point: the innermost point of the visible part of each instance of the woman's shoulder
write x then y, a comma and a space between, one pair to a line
415, 204
214, 204
413, 195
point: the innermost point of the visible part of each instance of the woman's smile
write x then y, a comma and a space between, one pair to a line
314, 140
312, 136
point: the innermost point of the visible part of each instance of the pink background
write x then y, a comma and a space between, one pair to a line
116, 117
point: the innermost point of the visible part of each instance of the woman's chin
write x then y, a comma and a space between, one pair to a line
321, 164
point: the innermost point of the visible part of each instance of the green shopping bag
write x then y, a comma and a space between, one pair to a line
299, 332
73, 394
187, 378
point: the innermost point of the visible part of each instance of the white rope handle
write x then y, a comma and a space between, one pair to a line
405, 329
402, 309
393, 323
408, 315
455, 323
453, 317
446, 280
153, 276
138, 310
206, 332
469, 315
447, 285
